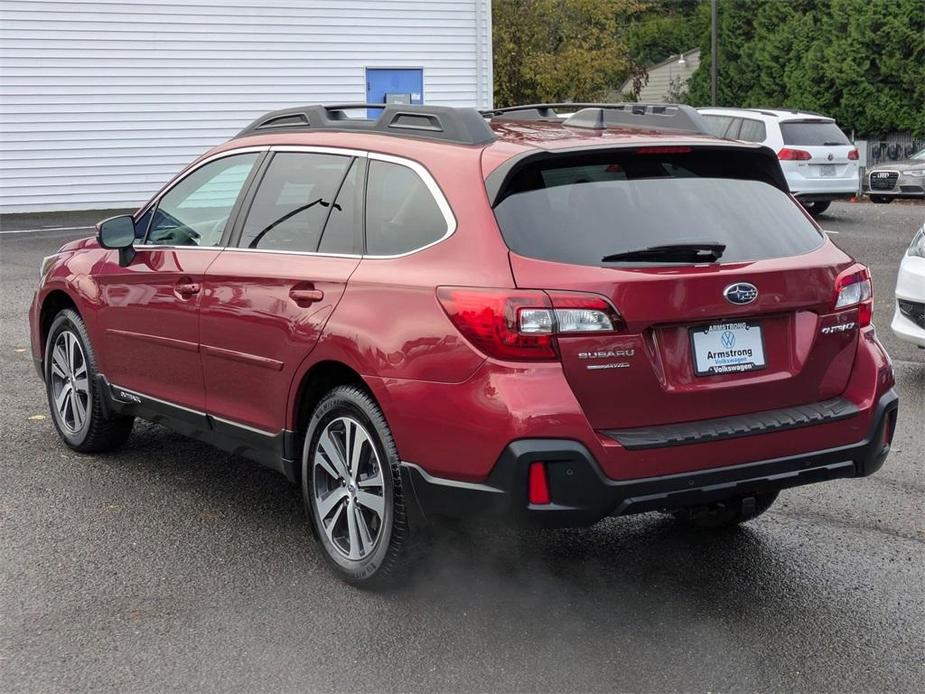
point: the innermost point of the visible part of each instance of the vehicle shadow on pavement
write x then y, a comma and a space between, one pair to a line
648, 558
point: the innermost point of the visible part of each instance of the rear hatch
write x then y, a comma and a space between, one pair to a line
697, 338
831, 154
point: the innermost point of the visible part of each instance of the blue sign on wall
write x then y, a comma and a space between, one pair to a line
402, 85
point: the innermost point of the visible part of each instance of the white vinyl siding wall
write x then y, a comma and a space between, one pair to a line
102, 102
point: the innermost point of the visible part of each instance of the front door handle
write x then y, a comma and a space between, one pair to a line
303, 297
187, 289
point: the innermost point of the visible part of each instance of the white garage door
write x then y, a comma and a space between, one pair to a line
102, 102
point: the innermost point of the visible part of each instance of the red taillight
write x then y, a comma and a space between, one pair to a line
787, 154
537, 484
853, 288
522, 325
853, 155
664, 149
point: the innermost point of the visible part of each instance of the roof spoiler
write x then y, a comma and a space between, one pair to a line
600, 116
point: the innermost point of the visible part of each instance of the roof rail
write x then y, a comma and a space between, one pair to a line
660, 116
464, 126
794, 111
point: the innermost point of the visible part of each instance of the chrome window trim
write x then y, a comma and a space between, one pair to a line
418, 168
320, 149
236, 249
435, 192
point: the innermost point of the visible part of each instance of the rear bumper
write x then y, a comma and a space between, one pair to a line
581, 494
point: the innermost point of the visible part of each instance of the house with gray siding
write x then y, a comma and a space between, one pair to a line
102, 102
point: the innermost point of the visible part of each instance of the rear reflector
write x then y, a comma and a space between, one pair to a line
889, 427
537, 484
787, 154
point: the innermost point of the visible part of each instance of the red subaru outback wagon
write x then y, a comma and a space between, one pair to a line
511, 315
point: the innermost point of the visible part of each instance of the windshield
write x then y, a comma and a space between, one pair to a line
809, 133
920, 155
582, 213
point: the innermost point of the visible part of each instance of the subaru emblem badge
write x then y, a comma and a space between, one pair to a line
741, 293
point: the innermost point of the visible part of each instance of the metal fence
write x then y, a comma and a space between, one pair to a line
893, 147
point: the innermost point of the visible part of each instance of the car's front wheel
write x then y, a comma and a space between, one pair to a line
77, 406
727, 513
881, 199
351, 485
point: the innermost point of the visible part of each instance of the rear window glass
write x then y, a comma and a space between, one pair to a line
810, 133
578, 212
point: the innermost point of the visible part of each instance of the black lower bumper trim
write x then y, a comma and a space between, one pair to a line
734, 427
581, 494
824, 197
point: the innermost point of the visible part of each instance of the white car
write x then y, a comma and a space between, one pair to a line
818, 159
909, 317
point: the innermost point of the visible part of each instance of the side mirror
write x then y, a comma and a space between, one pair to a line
118, 233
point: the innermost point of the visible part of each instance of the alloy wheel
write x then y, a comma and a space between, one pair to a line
70, 384
348, 488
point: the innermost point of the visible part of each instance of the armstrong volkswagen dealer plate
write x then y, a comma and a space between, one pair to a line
727, 348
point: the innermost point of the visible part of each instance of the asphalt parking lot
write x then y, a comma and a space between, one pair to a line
173, 566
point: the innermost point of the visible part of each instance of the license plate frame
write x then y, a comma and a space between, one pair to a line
756, 360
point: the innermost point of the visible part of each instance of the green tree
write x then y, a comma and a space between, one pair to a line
561, 50
859, 61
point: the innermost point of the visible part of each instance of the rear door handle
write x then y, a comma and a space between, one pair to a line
306, 296
187, 288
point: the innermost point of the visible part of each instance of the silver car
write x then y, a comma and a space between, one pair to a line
897, 179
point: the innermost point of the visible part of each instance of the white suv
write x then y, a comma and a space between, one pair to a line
818, 159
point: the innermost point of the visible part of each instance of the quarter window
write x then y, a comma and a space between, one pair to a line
195, 211
752, 130
401, 212
293, 201
717, 124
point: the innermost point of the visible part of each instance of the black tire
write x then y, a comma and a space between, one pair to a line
881, 199
725, 514
817, 207
388, 555
98, 430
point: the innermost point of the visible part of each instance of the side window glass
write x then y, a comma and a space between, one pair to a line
401, 213
340, 233
195, 211
141, 225
732, 132
752, 130
293, 201
718, 124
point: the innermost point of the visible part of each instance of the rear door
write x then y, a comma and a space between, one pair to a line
267, 298
679, 356
150, 308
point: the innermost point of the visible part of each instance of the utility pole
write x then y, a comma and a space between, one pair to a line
714, 47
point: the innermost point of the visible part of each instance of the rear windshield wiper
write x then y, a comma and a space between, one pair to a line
698, 252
